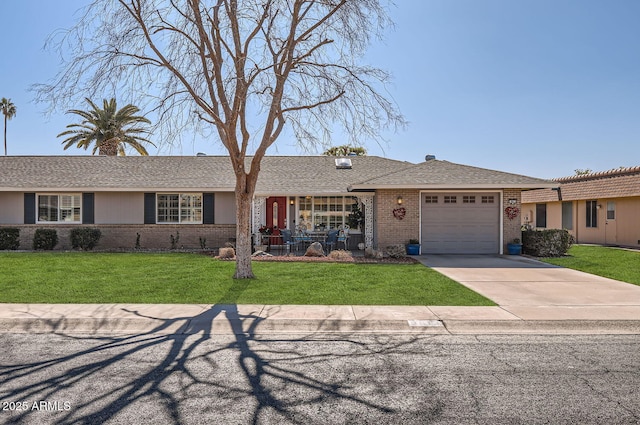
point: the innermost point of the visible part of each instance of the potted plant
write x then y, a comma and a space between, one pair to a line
413, 247
515, 247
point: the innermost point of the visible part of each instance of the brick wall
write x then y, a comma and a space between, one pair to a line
511, 227
388, 229
152, 236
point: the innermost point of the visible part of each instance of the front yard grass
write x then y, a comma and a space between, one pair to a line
614, 263
177, 278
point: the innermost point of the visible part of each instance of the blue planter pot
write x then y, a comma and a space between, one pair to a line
514, 248
413, 249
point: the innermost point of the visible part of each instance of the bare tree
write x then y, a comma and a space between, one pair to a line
241, 69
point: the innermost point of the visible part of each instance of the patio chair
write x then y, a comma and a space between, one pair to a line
332, 240
288, 240
343, 236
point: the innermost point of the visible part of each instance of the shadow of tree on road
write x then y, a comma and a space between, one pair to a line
174, 377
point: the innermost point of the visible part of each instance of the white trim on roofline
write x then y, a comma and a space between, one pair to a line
117, 189
479, 186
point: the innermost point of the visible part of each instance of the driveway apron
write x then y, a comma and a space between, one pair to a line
533, 290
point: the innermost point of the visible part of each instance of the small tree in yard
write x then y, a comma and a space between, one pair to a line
240, 69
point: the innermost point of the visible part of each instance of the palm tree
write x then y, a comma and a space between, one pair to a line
345, 150
111, 129
9, 111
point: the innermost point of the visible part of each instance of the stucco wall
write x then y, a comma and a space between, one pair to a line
225, 208
623, 230
11, 208
119, 208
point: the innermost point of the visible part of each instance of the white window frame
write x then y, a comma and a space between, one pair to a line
181, 209
60, 208
336, 212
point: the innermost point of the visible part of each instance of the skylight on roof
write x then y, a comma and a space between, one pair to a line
343, 163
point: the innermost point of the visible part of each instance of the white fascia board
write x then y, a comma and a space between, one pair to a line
296, 194
116, 189
457, 187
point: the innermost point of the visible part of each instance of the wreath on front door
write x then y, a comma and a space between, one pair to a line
512, 212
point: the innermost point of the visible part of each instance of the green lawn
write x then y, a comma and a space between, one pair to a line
193, 278
613, 263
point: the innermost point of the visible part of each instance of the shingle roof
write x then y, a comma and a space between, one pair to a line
618, 183
437, 174
279, 175
318, 174
114, 173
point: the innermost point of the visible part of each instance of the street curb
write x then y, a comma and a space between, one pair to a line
255, 326
547, 327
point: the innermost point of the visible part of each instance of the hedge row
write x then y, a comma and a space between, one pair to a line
84, 238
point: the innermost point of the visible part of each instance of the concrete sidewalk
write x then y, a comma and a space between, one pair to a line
533, 297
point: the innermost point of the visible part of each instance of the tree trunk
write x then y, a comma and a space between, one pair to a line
5, 135
108, 149
243, 236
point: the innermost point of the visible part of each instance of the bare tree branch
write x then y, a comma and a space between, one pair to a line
243, 70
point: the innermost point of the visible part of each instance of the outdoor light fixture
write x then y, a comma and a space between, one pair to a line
292, 201
399, 200
513, 201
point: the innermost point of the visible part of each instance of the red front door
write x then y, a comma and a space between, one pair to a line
277, 212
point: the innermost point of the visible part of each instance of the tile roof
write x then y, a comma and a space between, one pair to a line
617, 183
279, 175
437, 174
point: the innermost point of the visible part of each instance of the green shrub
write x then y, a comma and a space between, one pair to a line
45, 239
546, 243
85, 238
9, 238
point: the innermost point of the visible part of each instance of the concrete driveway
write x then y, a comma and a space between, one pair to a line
533, 290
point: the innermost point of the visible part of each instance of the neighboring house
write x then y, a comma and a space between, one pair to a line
450, 208
599, 208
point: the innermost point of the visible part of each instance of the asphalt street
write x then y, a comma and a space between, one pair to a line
319, 379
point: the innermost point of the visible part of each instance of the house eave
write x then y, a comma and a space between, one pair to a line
496, 186
116, 189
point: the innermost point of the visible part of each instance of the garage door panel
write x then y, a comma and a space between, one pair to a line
460, 227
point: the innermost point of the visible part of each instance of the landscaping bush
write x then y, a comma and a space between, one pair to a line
9, 238
340, 254
85, 238
546, 243
45, 239
227, 253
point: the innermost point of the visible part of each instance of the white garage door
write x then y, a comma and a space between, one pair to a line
460, 223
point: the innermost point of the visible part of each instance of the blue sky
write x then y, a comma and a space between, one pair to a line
534, 87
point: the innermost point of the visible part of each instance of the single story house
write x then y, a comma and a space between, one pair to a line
599, 208
145, 201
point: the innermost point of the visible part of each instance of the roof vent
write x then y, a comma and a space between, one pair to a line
429, 157
201, 154
343, 163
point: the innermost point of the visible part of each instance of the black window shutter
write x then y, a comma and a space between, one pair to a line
149, 208
88, 208
208, 202
29, 208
